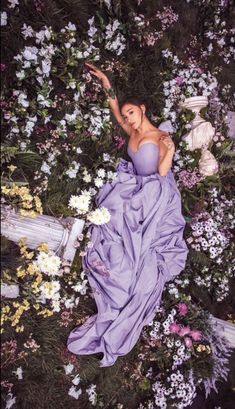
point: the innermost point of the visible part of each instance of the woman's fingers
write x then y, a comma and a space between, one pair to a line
166, 139
95, 70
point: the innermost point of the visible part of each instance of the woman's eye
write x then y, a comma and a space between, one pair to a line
131, 112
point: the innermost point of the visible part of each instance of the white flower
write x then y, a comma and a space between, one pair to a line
20, 74
76, 380
101, 173
69, 303
3, 18
55, 305
19, 372
74, 392
98, 182
80, 203
87, 178
45, 168
27, 31
68, 368
10, 401
111, 175
23, 145
41, 35
81, 287
13, 3
48, 263
70, 26
92, 394
30, 53
71, 84
43, 101
22, 100
73, 170
99, 216
106, 157
72, 173
79, 150
70, 117
50, 290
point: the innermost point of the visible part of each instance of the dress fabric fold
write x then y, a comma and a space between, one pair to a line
133, 255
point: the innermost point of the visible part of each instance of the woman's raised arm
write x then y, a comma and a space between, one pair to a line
112, 98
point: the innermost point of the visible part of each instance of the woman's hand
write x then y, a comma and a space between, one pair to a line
99, 74
167, 141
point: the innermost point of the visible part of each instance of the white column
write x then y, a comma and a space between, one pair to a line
59, 234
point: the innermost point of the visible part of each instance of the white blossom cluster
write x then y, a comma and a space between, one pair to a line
115, 40
80, 203
92, 395
48, 263
217, 281
75, 390
177, 389
221, 37
97, 118
211, 232
73, 170
161, 332
99, 216
184, 83
182, 161
207, 236
50, 290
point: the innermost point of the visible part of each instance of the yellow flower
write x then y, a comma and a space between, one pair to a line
20, 272
32, 269
36, 306
6, 309
12, 168
27, 213
43, 247
22, 242
20, 328
46, 312
201, 348
5, 190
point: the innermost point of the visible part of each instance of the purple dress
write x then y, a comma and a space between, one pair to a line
133, 256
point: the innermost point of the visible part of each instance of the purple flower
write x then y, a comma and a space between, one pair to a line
188, 178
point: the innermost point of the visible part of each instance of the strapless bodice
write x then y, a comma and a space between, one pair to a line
146, 159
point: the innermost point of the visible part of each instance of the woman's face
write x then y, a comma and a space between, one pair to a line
133, 114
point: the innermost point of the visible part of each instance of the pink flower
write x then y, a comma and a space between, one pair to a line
183, 309
188, 342
174, 328
179, 80
196, 335
184, 331
3, 67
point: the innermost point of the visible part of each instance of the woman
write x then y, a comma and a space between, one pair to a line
142, 246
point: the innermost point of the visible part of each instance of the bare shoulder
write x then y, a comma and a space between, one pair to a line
153, 136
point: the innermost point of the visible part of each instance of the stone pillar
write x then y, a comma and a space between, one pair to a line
59, 234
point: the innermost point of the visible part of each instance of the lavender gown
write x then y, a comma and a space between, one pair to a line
134, 255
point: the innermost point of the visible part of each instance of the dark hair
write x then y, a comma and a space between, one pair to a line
132, 100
